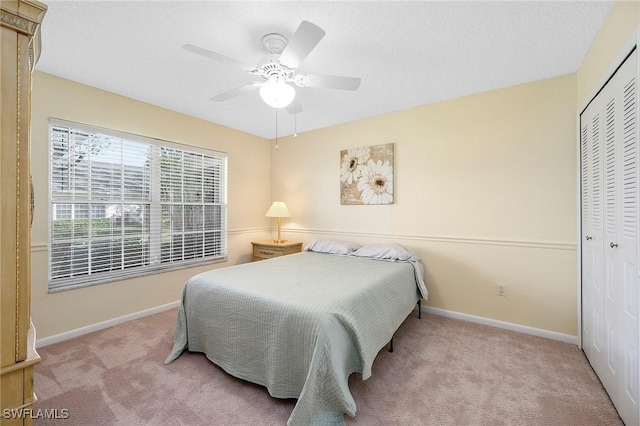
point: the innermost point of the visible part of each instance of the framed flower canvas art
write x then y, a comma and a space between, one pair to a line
366, 175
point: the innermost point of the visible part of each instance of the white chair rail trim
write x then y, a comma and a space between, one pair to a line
442, 239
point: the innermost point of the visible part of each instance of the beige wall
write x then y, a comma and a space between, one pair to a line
486, 189
610, 43
248, 198
485, 192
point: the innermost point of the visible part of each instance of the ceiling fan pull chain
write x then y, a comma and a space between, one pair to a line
276, 109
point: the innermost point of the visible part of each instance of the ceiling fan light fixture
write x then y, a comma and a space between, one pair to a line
277, 94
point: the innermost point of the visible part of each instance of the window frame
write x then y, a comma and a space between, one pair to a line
156, 264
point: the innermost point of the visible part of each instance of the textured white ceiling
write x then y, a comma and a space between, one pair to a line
407, 53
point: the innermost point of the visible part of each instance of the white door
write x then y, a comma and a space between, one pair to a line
610, 267
610, 133
592, 242
627, 244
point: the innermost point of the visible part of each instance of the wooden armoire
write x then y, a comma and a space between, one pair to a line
20, 21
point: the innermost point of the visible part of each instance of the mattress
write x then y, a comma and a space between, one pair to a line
298, 324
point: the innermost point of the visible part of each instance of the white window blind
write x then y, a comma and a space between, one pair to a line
125, 205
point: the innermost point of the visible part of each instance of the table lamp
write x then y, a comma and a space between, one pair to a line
278, 209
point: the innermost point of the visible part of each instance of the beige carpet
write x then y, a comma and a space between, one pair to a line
442, 372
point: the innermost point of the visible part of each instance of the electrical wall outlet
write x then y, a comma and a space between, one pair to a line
502, 290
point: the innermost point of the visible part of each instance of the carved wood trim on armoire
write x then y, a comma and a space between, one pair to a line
20, 48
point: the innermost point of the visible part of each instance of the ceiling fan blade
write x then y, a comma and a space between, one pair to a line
294, 107
217, 57
237, 91
306, 37
329, 81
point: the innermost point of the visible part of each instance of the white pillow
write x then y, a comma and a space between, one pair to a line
328, 245
387, 251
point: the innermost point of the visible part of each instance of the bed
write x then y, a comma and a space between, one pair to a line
301, 324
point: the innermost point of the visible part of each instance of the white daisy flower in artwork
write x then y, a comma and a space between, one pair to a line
376, 183
353, 161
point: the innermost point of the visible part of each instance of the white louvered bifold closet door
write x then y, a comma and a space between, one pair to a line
592, 246
610, 267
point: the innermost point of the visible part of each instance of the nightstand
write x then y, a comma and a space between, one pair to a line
267, 249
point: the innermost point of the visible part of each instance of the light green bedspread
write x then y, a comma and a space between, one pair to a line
298, 325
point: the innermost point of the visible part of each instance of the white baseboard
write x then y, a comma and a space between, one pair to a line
436, 311
501, 324
57, 338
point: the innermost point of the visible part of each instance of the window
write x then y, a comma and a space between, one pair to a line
124, 205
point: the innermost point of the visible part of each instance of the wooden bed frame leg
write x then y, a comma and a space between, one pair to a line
391, 345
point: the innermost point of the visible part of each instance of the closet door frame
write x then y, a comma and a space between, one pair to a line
632, 43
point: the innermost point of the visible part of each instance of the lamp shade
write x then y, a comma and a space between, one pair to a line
278, 209
276, 93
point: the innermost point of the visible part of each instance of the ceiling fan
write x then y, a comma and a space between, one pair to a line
277, 70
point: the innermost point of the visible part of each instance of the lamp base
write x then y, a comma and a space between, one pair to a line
279, 241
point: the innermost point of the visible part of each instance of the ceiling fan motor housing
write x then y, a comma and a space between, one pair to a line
269, 67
